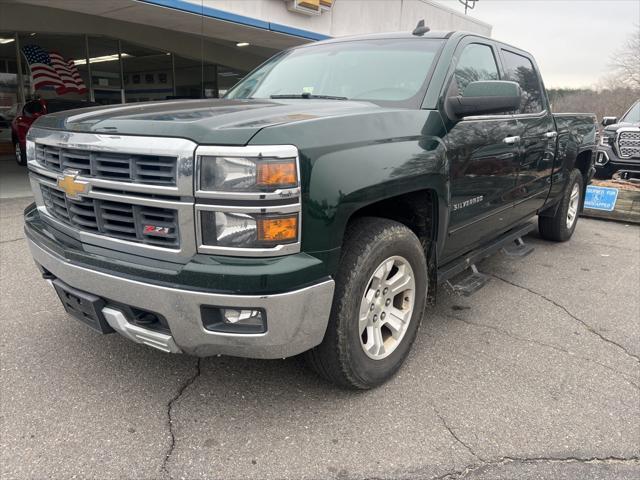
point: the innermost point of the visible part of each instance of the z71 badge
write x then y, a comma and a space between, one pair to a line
155, 230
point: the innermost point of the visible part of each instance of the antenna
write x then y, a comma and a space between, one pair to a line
468, 4
420, 29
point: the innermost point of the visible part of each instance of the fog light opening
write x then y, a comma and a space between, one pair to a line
234, 319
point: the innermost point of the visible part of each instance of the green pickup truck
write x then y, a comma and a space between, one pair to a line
315, 208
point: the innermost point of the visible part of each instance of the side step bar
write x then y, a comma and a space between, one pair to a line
470, 283
518, 248
469, 260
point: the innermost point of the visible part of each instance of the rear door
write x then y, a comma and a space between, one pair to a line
483, 157
536, 131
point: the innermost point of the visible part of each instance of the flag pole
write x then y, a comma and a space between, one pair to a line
86, 46
20, 80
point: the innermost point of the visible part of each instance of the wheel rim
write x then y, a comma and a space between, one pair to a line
18, 152
574, 203
386, 307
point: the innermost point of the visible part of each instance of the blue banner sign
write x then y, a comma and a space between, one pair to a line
601, 198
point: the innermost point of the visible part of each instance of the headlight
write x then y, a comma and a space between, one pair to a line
248, 230
605, 140
242, 174
248, 200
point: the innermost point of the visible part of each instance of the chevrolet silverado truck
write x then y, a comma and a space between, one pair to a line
619, 148
314, 209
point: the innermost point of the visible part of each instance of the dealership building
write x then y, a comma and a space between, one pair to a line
140, 50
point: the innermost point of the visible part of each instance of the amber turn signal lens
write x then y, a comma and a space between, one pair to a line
277, 174
278, 229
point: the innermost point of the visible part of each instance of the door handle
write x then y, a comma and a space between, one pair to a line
511, 140
551, 134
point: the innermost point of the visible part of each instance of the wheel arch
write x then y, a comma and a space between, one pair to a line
420, 211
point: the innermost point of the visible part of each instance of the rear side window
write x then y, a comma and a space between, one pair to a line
32, 108
520, 69
476, 63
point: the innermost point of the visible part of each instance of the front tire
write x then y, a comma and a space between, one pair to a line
379, 301
20, 154
560, 226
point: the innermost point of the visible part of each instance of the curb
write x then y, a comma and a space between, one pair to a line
627, 208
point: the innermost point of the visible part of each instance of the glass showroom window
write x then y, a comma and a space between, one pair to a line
106, 72
55, 66
147, 73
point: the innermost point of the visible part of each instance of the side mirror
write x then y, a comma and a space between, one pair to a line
606, 121
485, 98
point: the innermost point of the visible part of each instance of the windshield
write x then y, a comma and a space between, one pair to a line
633, 115
386, 70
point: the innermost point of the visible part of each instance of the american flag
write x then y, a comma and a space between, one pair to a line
52, 69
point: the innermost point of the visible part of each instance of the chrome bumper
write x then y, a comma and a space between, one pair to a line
296, 320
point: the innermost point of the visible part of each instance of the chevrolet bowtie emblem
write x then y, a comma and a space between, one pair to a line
72, 187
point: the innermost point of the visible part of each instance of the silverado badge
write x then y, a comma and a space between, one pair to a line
72, 187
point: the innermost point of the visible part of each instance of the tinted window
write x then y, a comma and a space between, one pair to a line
62, 105
32, 108
520, 69
633, 115
476, 63
377, 70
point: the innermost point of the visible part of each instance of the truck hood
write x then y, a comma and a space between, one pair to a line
219, 122
613, 128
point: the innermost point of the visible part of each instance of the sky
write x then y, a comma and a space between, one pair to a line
572, 40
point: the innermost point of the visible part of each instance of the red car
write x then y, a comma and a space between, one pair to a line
29, 113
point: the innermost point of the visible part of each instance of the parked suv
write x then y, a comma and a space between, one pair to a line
29, 113
619, 147
315, 209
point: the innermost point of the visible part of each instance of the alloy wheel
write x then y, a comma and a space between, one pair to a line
386, 307
574, 204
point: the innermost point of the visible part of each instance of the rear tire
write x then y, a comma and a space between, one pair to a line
560, 226
20, 154
382, 278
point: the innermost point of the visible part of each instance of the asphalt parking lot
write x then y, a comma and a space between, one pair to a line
535, 376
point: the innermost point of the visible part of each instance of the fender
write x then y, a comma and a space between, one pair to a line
351, 161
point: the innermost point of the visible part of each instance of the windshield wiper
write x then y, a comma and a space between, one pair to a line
308, 95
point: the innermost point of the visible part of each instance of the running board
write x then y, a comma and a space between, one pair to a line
518, 248
461, 264
470, 283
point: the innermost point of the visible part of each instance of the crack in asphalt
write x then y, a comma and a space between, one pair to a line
170, 405
455, 436
577, 319
11, 240
460, 474
626, 377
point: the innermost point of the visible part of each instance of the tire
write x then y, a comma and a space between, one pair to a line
560, 226
350, 356
20, 154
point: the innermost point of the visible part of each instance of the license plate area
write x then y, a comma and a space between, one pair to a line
84, 306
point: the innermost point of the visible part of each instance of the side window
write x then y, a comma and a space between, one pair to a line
32, 108
520, 69
476, 63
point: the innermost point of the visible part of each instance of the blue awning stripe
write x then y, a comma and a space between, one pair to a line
210, 12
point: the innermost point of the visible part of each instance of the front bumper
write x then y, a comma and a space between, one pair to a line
608, 162
296, 320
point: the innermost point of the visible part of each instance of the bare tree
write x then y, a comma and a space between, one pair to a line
626, 61
609, 101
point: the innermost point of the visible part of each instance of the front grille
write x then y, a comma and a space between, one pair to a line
136, 223
148, 169
629, 144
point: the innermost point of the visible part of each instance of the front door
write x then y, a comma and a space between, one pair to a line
483, 154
